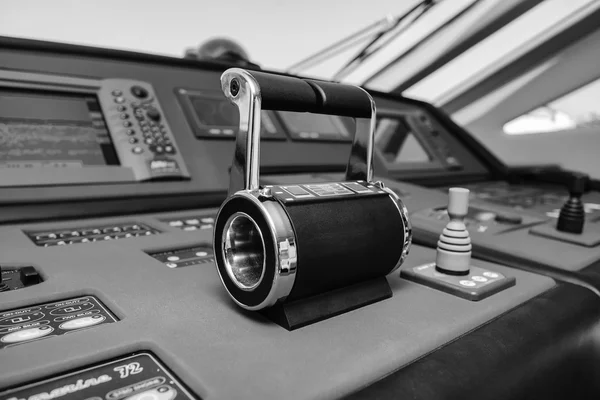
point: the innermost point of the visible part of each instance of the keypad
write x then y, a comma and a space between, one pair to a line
91, 234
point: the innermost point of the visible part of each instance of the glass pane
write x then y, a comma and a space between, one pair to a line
580, 108
490, 53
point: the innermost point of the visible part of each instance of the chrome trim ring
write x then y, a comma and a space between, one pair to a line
403, 211
243, 251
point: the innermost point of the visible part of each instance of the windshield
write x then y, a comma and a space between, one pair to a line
475, 59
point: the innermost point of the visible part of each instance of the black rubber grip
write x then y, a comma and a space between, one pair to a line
286, 93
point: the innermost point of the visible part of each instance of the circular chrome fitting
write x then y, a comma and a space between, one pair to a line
255, 250
243, 251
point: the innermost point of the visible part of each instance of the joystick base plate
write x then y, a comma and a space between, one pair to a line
478, 284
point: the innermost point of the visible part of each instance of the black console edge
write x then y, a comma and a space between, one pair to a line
504, 358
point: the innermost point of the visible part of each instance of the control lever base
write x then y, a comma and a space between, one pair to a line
296, 314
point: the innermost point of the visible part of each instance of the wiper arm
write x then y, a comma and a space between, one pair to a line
374, 32
377, 43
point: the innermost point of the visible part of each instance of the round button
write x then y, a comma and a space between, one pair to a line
491, 275
119, 100
159, 150
171, 265
130, 132
467, 283
153, 114
127, 124
133, 140
139, 92
201, 254
479, 278
173, 258
169, 149
117, 92
124, 116
149, 140
137, 150
121, 108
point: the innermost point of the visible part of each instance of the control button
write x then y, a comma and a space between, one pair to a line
145, 128
169, 149
117, 92
119, 100
153, 114
137, 150
149, 140
491, 275
206, 226
467, 283
176, 223
130, 132
46, 236
171, 265
173, 258
133, 140
190, 228
127, 124
124, 116
208, 220
139, 92
121, 108
193, 221
479, 278
27, 334
159, 150
201, 254
111, 230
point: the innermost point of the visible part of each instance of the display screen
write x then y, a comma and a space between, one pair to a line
315, 126
42, 129
398, 143
218, 117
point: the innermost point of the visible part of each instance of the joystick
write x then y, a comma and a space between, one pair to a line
452, 271
572, 213
454, 245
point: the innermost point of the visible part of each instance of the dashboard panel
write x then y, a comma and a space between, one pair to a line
113, 166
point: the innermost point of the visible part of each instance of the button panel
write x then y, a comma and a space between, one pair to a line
90, 234
141, 134
192, 223
477, 285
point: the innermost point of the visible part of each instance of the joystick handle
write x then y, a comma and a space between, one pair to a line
458, 203
454, 245
572, 214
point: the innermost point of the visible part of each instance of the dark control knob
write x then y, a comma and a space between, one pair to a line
153, 114
29, 276
572, 215
139, 92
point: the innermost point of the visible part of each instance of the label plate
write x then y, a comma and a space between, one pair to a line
136, 377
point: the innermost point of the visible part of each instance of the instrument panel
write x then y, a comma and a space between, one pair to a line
112, 169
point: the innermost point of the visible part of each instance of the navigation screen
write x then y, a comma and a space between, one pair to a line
397, 142
42, 129
218, 117
307, 126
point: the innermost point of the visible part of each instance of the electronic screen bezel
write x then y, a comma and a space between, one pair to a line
110, 156
201, 131
347, 122
40, 177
